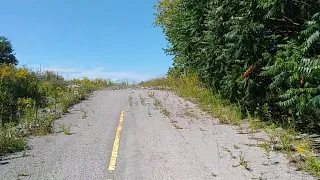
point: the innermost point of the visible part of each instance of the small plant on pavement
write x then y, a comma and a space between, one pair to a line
243, 162
66, 129
267, 147
255, 123
142, 100
23, 173
84, 113
272, 133
165, 112
157, 103
130, 100
151, 94
174, 123
286, 140
189, 113
236, 146
177, 126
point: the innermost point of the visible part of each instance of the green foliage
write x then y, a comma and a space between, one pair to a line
313, 164
262, 55
6, 52
9, 141
65, 129
30, 101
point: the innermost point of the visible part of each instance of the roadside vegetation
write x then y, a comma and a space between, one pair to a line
30, 100
249, 61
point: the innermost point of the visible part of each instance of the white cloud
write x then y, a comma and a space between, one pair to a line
101, 72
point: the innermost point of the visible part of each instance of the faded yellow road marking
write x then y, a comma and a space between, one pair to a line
114, 155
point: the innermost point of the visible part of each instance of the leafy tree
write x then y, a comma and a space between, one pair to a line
6, 52
260, 54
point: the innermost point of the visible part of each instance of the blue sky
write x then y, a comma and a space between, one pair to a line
102, 38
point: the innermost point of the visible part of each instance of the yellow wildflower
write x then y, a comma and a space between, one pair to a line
302, 148
6, 71
22, 73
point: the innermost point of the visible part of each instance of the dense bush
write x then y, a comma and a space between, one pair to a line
261, 54
30, 101
18, 87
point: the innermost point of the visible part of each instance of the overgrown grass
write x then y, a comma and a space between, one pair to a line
34, 120
313, 165
10, 142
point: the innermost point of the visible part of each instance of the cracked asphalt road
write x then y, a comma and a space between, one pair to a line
185, 143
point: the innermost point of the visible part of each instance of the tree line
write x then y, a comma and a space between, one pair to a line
263, 55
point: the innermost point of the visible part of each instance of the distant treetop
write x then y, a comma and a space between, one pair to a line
6, 52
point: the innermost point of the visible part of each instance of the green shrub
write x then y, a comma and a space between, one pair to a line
263, 56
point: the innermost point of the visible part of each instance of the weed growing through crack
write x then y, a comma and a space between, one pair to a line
229, 151
243, 162
174, 123
84, 113
25, 151
157, 103
286, 140
177, 126
240, 129
267, 147
130, 100
254, 123
271, 133
152, 95
165, 112
189, 113
23, 173
66, 129
236, 146
142, 100
226, 149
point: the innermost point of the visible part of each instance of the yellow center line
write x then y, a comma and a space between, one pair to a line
114, 155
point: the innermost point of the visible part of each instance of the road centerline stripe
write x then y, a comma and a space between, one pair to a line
115, 148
